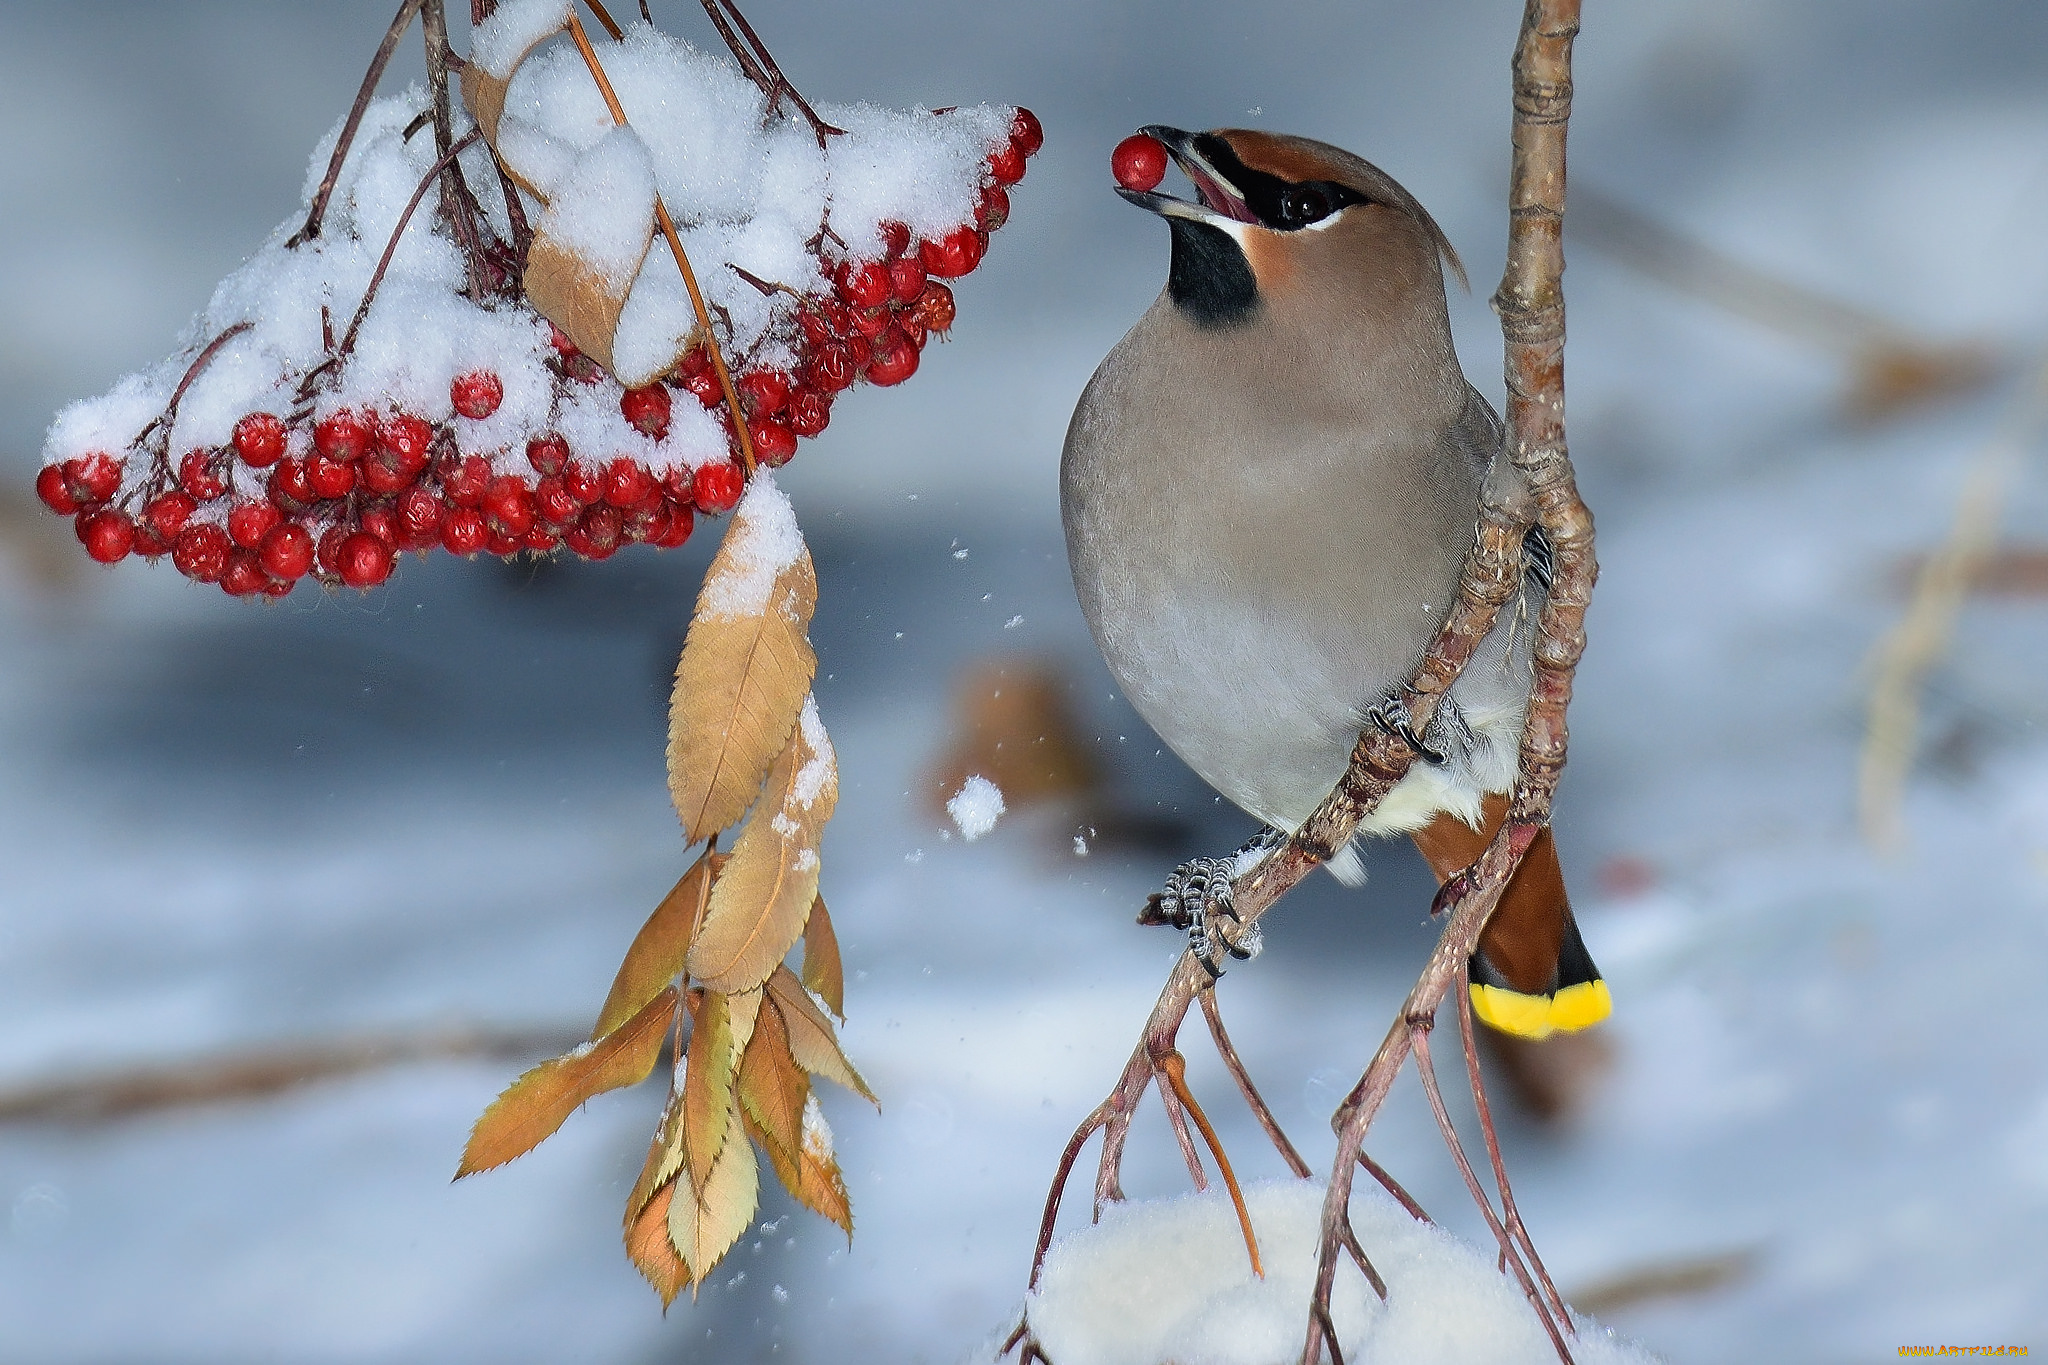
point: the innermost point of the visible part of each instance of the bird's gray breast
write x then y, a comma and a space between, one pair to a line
1259, 557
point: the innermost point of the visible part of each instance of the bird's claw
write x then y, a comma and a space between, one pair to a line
1391, 717
1198, 898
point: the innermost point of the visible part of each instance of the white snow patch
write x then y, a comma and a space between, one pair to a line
823, 764
605, 211
976, 807
763, 542
501, 40
1169, 1280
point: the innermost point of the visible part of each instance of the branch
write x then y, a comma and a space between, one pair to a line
355, 118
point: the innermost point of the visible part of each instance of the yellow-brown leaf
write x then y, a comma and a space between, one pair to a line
658, 950
648, 1243
822, 974
764, 895
707, 1086
773, 1088
484, 93
811, 1039
810, 1175
534, 1106
746, 667
704, 1226
665, 1158
574, 297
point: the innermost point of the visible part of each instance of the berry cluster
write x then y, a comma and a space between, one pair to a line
339, 495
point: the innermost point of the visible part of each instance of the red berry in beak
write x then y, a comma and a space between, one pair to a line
1139, 162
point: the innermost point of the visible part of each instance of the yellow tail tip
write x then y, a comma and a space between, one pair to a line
1539, 1016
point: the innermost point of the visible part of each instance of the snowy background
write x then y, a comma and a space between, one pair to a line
228, 825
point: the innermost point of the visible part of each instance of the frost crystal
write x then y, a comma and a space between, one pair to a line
975, 807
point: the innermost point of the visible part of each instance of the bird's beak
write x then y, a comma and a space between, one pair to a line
1220, 201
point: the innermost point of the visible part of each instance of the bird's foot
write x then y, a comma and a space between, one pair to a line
1198, 898
1391, 717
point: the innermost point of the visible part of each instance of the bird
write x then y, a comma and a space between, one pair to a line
1268, 489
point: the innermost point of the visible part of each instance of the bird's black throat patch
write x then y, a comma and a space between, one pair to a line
1210, 280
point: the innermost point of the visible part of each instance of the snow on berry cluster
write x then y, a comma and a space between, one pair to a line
293, 438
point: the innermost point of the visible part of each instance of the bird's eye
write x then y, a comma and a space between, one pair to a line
1301, 205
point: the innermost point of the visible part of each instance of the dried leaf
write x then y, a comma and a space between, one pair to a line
665, 1159
762, 899
576, 298
658, 950
703, 1227
822, 974
484, 93
745, 670
811, 1039
725, 1025
535, 1105
647, 1242
773, 1088
810, 1173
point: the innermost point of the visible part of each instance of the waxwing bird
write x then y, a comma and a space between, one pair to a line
1269, 487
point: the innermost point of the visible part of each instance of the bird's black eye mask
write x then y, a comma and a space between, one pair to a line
1283, 205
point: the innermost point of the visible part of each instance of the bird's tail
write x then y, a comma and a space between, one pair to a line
1532, 975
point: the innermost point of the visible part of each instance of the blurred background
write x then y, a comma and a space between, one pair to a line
292, 890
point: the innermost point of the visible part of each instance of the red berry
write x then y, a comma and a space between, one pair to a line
858, 349
559, 339
1138, 162
328, 553
342, 436
92, 478
419, 518
245, 576
540, 540
601, 527
50, 488
259, 440
817, 332
895, 361
407, 439
290, 488
864, 284
954, 254
464, 479
717, 486
380, 521
363, 561
583, 483
383, 473
329, 477
463, 531
148, 542
695, 361
706, 388
508, 507
765, 391
895, 238
547, 454
201, 553
674, 526
501, 542
912, 325
196, 471
274, 588
476, 395
935, 308
250, 522
646, 409
1006, 164
287, 552
108, 536
995, 208
809, 412
625, 483
552, 502
773, 444
906, 279
872, 322
1027, 135
167, 514
831, 369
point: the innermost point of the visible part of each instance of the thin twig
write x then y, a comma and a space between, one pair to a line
457, 207
611, 25
1175, 1068
1233, 1064
748, 66
1393, 1187
675, 245
819, 127
355, 325
1907, 651
355, 118
1509, 1253
1364, 1263
199, 363
1510, 1215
